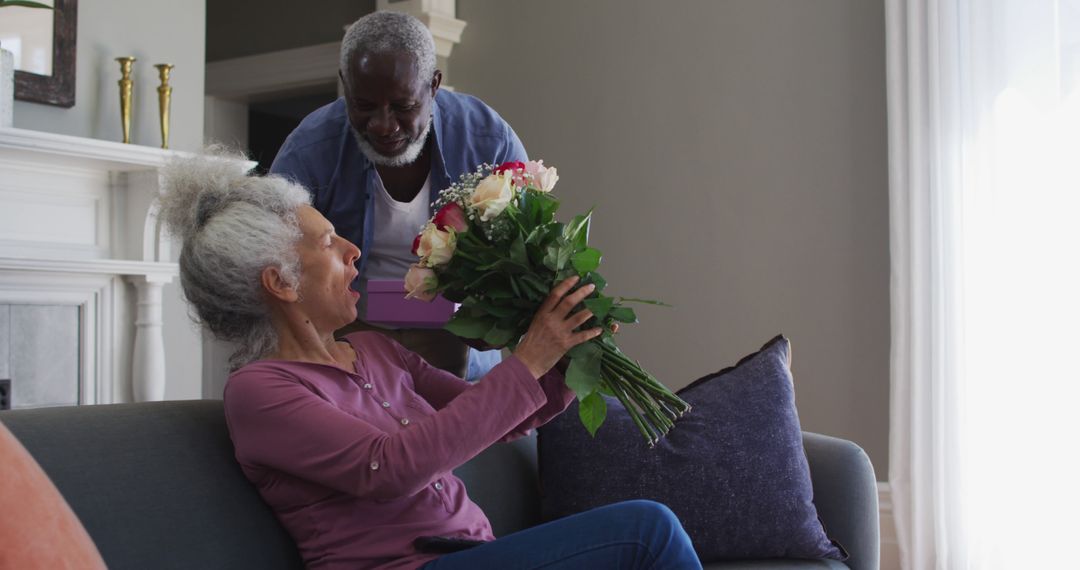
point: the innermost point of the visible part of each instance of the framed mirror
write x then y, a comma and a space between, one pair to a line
44, 44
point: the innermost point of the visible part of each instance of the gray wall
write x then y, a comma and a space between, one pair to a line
736, 155
237, 28
154, 31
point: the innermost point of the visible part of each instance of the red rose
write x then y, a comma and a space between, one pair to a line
511, 166
416, 244
451, 216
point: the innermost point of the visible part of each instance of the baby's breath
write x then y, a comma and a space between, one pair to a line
499, 230
462, 190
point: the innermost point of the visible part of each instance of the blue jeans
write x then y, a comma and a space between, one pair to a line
629, 535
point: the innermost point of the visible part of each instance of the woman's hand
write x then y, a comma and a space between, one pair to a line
551, 332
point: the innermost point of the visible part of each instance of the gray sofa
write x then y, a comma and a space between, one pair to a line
157, 487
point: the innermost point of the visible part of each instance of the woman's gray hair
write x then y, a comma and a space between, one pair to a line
390, 32
233, 226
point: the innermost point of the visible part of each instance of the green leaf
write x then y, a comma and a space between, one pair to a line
528, 305
469, 327
538, 209
644, 301
564, 274
454, 296
530, 210
585, 350
586, 260
517, 251
495, 308
498, 336
592, 411
583, 374
507, 265
558, 254
606, 390
599, 306
536, 285
499, 293
543, 234
596, 279
548, 206
24, 4
495, 285
623, 314
577, 231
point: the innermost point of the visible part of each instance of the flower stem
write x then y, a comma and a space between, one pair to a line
658, 424
628, 368
630, 409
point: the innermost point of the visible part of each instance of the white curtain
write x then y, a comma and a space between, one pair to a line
984, 160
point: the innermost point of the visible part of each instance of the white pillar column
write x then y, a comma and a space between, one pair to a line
148, 356
438, 15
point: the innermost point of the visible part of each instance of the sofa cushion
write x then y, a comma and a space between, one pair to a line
733, 469
502, 480
37, 527
156, 485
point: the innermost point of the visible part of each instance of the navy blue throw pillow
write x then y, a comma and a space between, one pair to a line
733, 469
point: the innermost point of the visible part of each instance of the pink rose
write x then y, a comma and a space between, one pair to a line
543, 177
436, 246
451, 215
420, 283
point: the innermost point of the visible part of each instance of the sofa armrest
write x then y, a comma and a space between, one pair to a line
845, 494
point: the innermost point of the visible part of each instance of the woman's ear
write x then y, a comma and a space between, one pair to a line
277, 286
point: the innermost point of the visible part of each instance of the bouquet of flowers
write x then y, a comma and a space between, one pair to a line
495, 247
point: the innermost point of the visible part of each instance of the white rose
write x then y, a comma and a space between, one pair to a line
436, 246
492, 195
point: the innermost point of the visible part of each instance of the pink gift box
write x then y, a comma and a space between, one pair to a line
387, 305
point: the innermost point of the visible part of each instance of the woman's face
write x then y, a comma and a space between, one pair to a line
327, 271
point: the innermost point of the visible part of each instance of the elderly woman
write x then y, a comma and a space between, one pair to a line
352, 441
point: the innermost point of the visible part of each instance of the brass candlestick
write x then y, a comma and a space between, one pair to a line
126, 85
164, 92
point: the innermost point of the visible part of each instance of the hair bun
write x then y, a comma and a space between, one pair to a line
195, 187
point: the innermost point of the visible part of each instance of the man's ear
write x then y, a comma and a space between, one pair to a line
277, 287
436, 81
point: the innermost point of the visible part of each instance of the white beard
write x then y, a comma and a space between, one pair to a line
408, 156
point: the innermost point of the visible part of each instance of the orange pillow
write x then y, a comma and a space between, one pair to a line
37, 527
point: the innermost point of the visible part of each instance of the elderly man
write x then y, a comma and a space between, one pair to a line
376, 159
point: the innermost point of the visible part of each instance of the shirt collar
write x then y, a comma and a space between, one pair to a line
438, 165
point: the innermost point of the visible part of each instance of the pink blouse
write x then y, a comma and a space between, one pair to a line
356, 466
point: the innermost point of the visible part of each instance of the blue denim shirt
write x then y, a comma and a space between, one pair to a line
322, 155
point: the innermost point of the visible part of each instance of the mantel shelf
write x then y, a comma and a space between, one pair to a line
91, 153
120, 267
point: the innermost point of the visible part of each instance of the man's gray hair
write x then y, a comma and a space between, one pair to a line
233, 226
389, 32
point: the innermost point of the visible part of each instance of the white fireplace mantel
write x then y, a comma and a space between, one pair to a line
78, 226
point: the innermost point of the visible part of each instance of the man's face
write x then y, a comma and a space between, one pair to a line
389, 106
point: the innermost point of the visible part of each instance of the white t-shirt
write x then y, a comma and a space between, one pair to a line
396, 225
